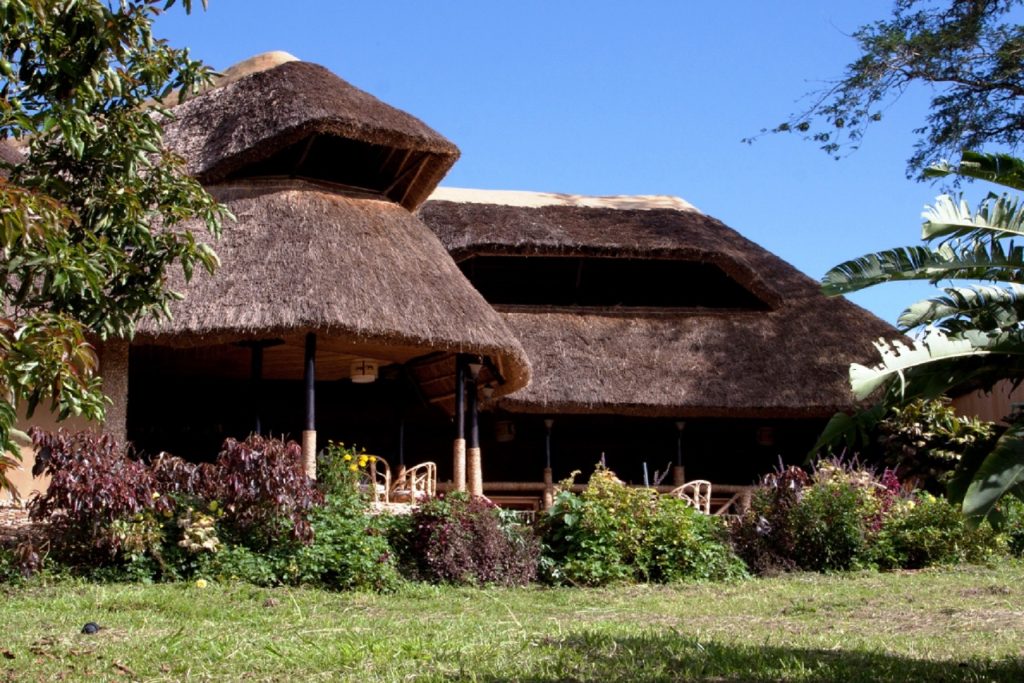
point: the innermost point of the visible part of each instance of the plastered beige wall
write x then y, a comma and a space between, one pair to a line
114, 367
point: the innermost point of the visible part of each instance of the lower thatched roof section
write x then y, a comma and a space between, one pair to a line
789, 363
360, 271
791, 360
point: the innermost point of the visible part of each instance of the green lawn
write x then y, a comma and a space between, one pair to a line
964, 624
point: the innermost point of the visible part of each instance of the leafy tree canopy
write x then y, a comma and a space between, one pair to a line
969, 52
88, 197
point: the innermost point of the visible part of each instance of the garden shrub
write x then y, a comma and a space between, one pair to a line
834, 520
264, 492
340, 469
350, 551
466, 540
765, 536
823, 521
1011, 511
113, 516
923, 530
925, 441
842, 516
101, 505
240, 563
612, 532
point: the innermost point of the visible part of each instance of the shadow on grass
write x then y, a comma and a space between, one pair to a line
590, 656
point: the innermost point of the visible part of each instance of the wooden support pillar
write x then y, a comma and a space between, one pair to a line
459, 447
474, 471
549, 489
309, 431
256, 380
678, 473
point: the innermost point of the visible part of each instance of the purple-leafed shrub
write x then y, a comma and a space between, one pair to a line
100, 502
264, 492
462, 540
179, 477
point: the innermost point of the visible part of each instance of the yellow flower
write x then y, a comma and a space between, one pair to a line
353, 468
347, 457
373, 458
155, 495
200, 583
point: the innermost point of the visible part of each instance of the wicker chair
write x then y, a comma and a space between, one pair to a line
415, 484
696, 493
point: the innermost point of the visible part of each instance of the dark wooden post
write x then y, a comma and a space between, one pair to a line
256, 380
309, 430
678, 473
459, 447
474, 471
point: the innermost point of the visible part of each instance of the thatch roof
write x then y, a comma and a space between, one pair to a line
359, 270
299, 119
789, 360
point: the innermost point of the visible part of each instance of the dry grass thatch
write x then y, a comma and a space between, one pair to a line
298, 114
360, 271
788, 361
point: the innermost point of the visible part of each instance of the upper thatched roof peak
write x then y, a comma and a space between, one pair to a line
535, 200
475, 222
254, 64
273, 115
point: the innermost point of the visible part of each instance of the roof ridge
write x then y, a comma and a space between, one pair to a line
642, 202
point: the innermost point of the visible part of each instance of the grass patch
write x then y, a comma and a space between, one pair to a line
961, 624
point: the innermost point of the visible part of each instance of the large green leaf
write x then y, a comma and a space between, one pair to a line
1002, 169
978, 261
997, 216
977, 307
848, 432
1000, 473
899, 357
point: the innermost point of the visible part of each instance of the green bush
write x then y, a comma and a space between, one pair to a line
843, 516
925, 441
612, 532
830, 525
923, 530
340, 469
823, 521
1011, 510
349, 551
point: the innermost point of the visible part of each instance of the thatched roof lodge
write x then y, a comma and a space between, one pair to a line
638, 312
322, 178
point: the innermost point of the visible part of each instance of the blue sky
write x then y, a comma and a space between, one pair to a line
648, 97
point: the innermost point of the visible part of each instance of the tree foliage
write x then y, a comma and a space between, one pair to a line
970, 336
970, 53
88, 197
